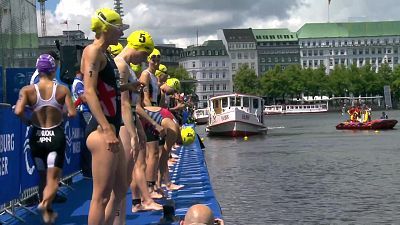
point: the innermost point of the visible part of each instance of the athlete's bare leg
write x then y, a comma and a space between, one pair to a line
152, 166
52, 177
104, 163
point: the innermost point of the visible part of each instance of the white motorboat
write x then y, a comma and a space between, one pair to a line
201, 116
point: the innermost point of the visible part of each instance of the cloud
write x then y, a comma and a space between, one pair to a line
176, 21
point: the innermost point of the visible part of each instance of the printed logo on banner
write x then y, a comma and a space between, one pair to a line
68, 137
30, 169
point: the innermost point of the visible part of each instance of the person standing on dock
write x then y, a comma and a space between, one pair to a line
132, 134
47, 140
102, 93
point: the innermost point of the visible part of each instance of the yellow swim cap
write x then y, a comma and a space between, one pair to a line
141, 41
155, 52
188, 135
161, 69
104, 18
115, 49
137, 68
174, 83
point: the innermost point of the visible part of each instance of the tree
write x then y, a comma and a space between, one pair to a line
246, 81
188, 85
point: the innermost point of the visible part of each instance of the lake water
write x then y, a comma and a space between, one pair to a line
304, 171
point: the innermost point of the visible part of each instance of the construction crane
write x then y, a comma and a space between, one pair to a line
43, 16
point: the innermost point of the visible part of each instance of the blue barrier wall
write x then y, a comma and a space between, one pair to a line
16, 78
10, 138
17, 170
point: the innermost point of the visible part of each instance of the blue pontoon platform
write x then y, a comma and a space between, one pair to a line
190, 170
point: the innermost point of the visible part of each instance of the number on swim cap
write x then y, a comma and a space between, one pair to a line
142, 38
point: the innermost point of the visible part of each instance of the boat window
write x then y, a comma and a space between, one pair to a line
232, 101
246, 102
224, 102
255, 103
216, 104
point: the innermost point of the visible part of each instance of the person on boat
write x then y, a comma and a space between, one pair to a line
132, 134
102, 93
47, 140
200, 214
384, 116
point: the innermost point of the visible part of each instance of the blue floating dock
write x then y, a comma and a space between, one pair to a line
190, 170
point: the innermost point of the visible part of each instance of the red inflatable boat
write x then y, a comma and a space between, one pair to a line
381, 124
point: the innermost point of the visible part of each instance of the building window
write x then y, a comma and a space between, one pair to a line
239, 55
216, 63
223, 74
217, 87
233, 66
209, 64
223, 62
211, 75
217, 75
245, 55
224, 87
204, 97
204, 75
252, 55
253, 65
193, 64
204, 87
211, 87
203, 64
233, 55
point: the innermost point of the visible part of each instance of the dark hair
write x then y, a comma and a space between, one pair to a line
53, 54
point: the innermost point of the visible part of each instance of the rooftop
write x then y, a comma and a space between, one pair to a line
349, 29
270, 35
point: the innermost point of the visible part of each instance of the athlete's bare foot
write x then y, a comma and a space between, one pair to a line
174, 187
48, 215
152, 205
156, 195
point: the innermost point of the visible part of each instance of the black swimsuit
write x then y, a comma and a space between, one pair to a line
109, 94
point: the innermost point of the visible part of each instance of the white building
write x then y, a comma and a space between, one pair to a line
241, 46
359, 43
209, 65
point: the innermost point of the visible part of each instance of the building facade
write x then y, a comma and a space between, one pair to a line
18, 33
359, 43
170, 54
276, 47
68, 38
241, 47
209, 64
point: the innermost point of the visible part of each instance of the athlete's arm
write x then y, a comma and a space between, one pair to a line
140, 111
69, 103
20, 106
91, 66
125, 98
145, 80
132, 86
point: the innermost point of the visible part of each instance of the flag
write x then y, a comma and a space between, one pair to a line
64, 22
329, 2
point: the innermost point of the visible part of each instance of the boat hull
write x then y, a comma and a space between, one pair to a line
235, 129
381, 124
201, 120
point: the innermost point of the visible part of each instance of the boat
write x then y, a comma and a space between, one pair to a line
201, 116
294, 109
379, 124
235, 115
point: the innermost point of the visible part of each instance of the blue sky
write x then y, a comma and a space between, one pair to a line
50, 4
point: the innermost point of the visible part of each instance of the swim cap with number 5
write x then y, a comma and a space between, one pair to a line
141, 41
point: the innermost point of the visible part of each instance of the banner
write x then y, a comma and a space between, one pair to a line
9, 155
16, 78
29, 174
74, 134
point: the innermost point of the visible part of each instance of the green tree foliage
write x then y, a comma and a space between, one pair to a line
294, 81
246, 81
188, 84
